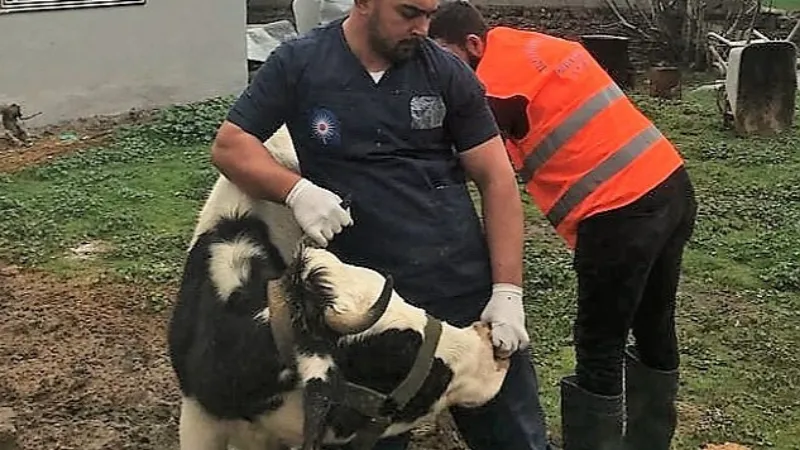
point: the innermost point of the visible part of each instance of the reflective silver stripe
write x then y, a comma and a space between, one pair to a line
562, 133
586, 185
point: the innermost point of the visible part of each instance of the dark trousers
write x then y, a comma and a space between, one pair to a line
628, 263
513, 420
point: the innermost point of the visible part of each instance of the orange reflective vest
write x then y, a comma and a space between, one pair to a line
588, 148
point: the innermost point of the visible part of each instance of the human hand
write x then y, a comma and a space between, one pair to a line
318, 211
505, 314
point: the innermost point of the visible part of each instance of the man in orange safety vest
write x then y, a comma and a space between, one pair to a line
616, 190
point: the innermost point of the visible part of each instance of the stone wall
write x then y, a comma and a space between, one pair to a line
566, 22
527, 3
571, 23
266, 13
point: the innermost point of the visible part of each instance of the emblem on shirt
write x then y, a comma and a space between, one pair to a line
325, 126
427, 112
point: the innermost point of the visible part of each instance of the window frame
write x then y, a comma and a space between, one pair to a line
19, 6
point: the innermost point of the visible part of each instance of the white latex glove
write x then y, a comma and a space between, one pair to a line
318, 211
507, 317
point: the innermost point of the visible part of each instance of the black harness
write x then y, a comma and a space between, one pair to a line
374, 404
377, 406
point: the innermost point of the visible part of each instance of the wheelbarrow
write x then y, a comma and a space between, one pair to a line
757, 95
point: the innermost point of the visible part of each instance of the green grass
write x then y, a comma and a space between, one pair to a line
791, 5
139, 196
739, 302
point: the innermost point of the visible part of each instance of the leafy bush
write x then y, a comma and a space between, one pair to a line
190, 124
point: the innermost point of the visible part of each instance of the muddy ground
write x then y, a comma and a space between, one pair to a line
64, 137
83, 364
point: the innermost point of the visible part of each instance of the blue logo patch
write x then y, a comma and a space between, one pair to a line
325, 126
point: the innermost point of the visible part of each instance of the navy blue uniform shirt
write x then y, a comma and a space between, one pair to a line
392, 147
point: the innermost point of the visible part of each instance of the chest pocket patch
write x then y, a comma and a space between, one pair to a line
427, 112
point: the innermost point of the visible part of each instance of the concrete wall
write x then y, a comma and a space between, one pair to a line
77, 63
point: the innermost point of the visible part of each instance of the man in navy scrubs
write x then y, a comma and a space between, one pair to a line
382, 115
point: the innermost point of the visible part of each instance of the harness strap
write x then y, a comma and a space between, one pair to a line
370, 402
377, 406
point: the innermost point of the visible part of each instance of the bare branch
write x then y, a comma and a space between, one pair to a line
31, 116
624, 21
749, 32
680, 26
735, 23
638, 11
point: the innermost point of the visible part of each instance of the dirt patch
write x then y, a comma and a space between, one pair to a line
441, 435
16, 158
84, 366
88, 250
65, 137
726, 446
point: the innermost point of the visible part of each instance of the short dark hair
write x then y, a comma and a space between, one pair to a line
455, 20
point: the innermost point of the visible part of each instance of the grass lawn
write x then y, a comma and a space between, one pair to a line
739, 311
790, 5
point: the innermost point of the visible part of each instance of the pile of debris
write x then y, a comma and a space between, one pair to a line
262, 39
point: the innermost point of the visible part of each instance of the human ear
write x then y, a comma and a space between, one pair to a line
474, 45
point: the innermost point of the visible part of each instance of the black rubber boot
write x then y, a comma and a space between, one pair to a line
589, 421
650, 405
